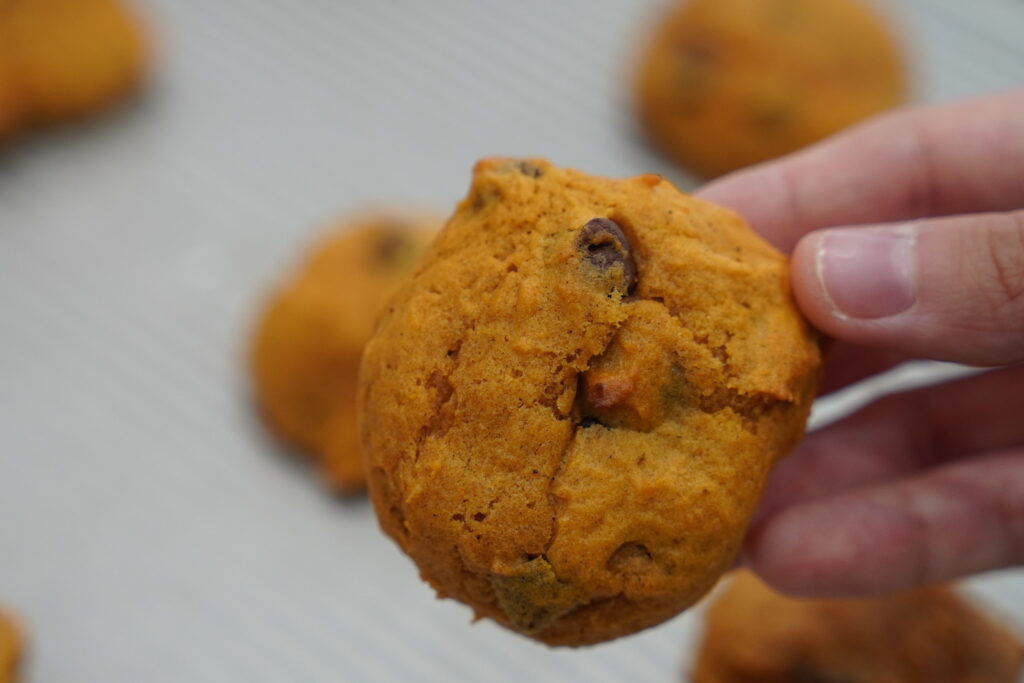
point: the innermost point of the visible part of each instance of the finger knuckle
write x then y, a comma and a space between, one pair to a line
1005, 253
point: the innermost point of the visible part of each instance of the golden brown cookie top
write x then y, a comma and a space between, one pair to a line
927, 634
728, 83
570, 409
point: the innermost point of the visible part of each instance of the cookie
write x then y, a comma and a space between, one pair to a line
71, 58
11, 105
10, 649
307, 346
569, 411
729, 83
927, 634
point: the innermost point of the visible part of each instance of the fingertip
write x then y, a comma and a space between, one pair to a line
797, 553
948, 289
852, 281
808, 289
761, 557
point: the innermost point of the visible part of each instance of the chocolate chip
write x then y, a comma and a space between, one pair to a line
804, 672
691, 76
389, 245
771, 119
527, 168
696, 53
605, 246
485, 194
588, 422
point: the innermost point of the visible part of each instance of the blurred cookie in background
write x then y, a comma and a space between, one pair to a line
724, 84
308, 343
928, 634
67, 59
11, 104
10, 649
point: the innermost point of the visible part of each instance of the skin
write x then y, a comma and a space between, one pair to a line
925, 485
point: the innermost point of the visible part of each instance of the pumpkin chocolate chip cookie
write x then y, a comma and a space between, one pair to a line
569, 411
305, 356
70, 58
10, 649
927, 634
730, 83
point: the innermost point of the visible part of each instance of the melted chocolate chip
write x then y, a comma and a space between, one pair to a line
696, 53
806, 673
527, 168
693, 72
771, 119
389, 245
605, 246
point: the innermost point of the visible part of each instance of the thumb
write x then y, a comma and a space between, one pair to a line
949, 288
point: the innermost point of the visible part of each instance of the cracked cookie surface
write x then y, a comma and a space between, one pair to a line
569, 411
928, 634
729, 83
305, 355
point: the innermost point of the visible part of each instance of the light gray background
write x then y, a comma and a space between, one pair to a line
148, 530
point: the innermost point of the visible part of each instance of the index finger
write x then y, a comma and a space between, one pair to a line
963, 157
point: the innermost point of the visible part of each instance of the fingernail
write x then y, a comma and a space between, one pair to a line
867, 273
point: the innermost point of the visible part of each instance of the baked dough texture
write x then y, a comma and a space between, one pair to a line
68, 58
724, 84
305, 356
570, 410
10, 649
928, 634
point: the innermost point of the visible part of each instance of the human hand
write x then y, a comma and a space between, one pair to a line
929, 484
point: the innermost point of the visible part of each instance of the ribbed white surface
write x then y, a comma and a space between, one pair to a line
148, 530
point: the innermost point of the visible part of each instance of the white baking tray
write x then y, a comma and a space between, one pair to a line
148, 529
